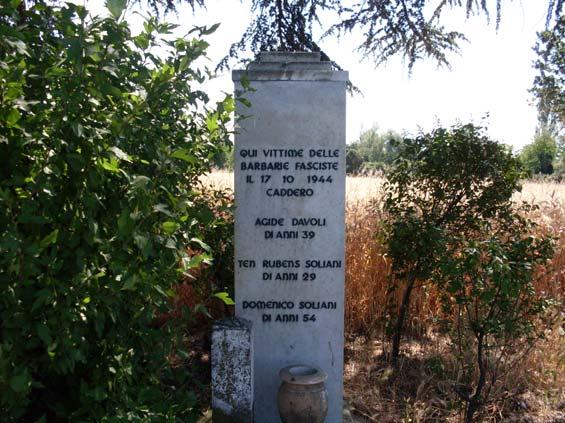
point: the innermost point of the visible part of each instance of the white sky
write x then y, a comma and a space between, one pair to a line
491, 75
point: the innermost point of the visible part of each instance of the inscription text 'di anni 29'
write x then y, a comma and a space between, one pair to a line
292, 173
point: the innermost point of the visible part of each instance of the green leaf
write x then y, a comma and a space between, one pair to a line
130, 283
20, 383
196, 260
44, 334
125, 223
163, 208
229, 104
185, 155
13, 118
99, 393
141, 241
183, 63
110, 165
244, 101
201, 308
210, 30
17, 44
49, 239
161, 291
116, 7
170, 227
212, 122
120, 154
141, 41
206, 216
202, 244
140, 182
225, 297
78, 129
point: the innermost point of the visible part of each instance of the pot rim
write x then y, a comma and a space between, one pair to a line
302, 374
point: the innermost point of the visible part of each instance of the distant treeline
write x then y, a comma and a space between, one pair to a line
372, 153
545, 155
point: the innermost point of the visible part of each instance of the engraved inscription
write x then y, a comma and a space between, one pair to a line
291, 174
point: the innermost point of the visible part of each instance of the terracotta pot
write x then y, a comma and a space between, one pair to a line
302, 395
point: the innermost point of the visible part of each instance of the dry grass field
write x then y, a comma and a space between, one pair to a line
532, 391
360, 189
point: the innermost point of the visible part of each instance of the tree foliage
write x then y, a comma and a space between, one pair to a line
560, 157
412, 29
451, 221
103, 142
539, 156
224, 159
372, 151
442, 183
549, 83
488, 290
353, 161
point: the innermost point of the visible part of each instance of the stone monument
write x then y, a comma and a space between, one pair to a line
290, 219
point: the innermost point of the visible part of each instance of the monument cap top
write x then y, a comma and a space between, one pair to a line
290, 66
289, 56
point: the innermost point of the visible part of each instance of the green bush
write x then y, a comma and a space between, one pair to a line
489, 292
102, 142
451, 221
442, 183
539, 156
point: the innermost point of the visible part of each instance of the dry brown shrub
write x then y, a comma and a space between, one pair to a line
550, 217
421, 391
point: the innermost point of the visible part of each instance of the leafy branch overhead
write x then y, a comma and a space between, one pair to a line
413, 29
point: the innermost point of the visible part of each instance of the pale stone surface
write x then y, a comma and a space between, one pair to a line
289, 56
290, 248
291, 73
293, 66
232, 371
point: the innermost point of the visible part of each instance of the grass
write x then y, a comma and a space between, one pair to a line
532, 391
